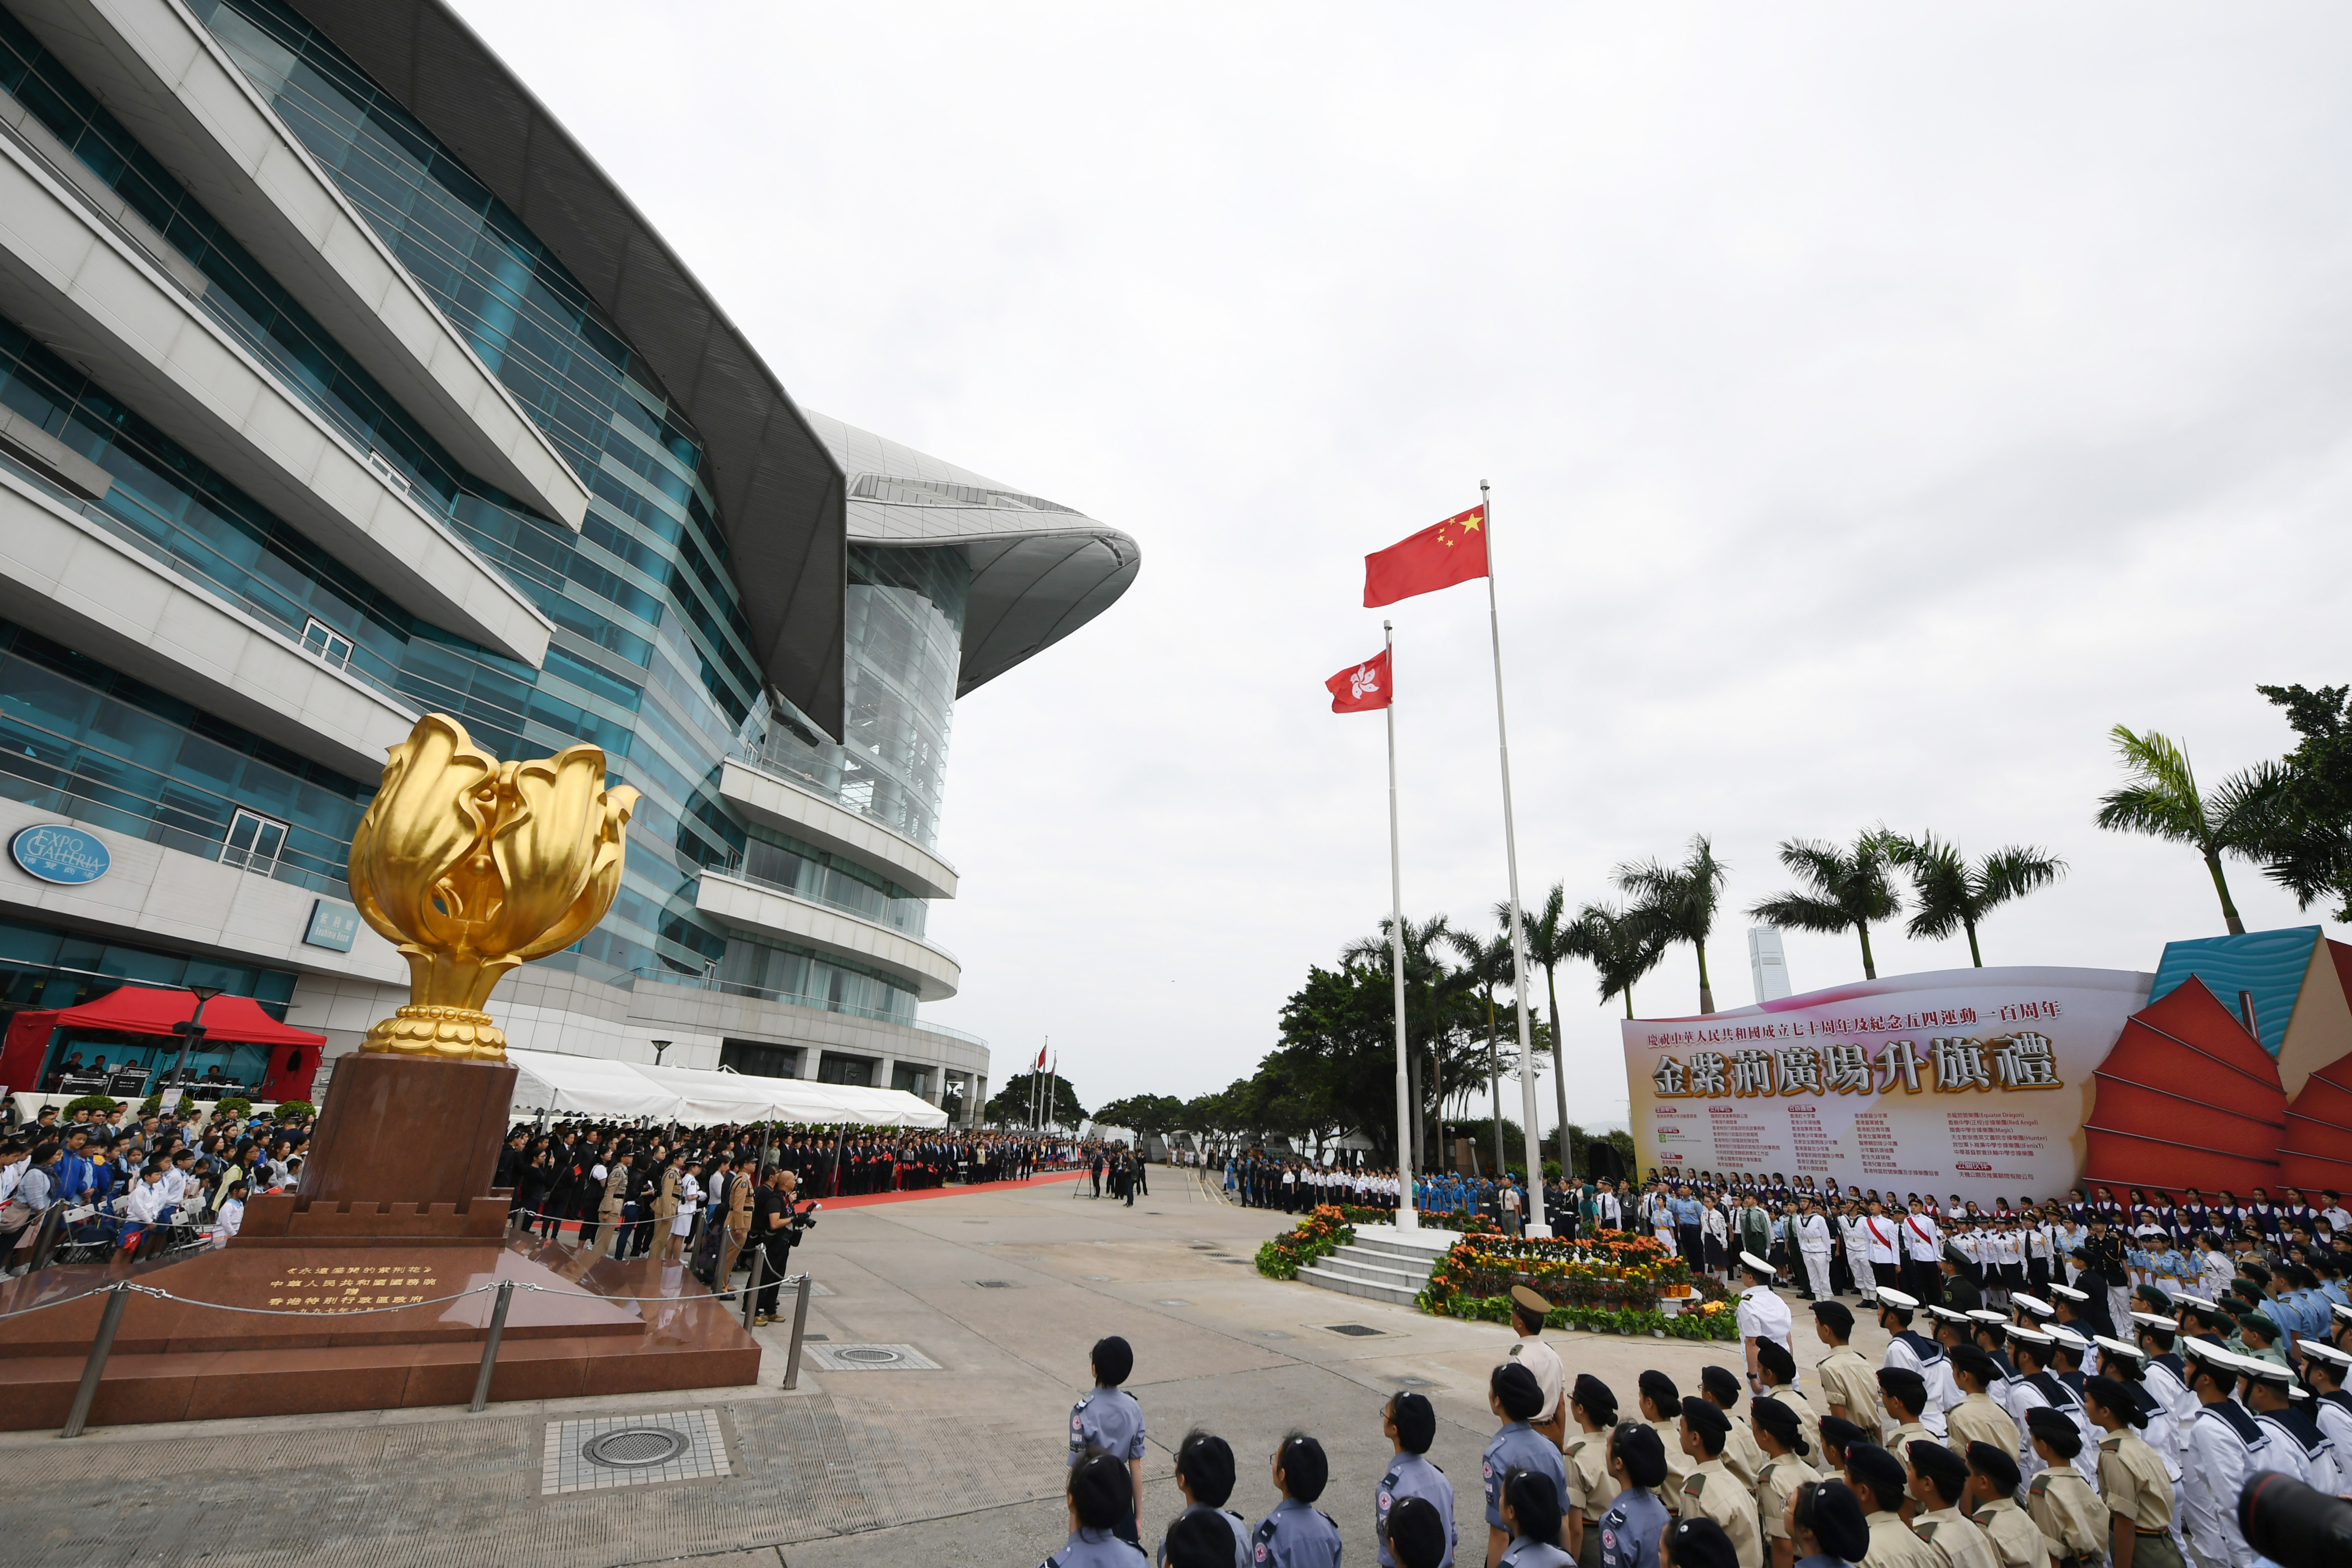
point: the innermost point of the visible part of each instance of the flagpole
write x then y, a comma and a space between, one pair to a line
1536, 1224
1407, 1218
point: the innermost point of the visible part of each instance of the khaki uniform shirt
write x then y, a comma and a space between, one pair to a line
1779, 1478
2133, 1480
1980, 1419
1679, 1464
1848, 1381
616, 1187
1899, 1443
1892, 1545
738, 1208
666, 1202
1808, 1416
1544, 1361
1714, 1492
1957, 1539
2068, 1513
1741, 1457
2015, 1538
1591, 1487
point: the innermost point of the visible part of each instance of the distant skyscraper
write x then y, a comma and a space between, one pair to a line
1767, 963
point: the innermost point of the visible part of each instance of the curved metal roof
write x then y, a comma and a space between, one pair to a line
1039, 570
780, 493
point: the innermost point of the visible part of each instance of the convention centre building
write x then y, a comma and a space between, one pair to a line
339, 385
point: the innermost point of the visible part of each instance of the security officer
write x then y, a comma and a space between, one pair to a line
1411, 1423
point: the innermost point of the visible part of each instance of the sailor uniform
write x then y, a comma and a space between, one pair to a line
1918, 1352
2226, 1444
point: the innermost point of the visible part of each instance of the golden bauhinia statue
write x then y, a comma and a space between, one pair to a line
470, 866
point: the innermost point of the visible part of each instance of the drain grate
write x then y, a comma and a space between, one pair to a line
1354, 1330
995, 1284
635, 1448
831, 1357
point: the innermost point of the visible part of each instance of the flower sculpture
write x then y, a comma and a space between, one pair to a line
471, 866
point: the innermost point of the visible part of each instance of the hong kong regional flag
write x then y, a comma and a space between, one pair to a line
1362, 689
1452, 551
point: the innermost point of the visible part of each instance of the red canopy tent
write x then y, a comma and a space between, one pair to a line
150, 1010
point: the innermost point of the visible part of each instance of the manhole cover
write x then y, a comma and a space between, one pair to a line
1355, 1330
805, 1338
1413, 1383
872, 1355
633, 1447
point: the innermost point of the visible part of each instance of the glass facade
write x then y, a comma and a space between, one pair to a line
650, 659
44, 968
87, 743
905, 643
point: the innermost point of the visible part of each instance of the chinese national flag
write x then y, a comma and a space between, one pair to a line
1362, 689
1452, 551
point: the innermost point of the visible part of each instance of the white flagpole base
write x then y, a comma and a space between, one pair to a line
1538, 1231
1408, 1219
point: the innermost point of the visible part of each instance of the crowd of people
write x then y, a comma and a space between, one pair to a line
88, 1186
2021, 1436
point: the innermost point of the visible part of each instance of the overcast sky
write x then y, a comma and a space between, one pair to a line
1880, 404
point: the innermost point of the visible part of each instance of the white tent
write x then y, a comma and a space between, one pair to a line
588, 1086
593, 1086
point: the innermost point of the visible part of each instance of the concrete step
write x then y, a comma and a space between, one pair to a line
1374, 1270
1406, 1255
1397, 1295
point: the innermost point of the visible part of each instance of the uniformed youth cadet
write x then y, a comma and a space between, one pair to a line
1528, 1310
1585, 1457
1409, 1423
1108, 1420
1417, 1537
1513, 1395
1531, 1515
1712, 1490
1205, 1474
1939, 1484
1781, 1437
1848, 1383
2132, 1480
1777, 1370
1993, 1505
1978, 1417
1636, 1518
2226, 1444
1741, 1457
1662, 1409
1100, 1494
1878, 1485
1761, 1316
2064, 1508
1297, 1534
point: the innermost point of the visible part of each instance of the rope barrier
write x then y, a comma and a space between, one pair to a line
61, 1302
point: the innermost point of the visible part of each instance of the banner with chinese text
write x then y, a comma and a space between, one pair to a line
1974, 1081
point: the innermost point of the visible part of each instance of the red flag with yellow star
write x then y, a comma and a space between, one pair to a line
1452, 551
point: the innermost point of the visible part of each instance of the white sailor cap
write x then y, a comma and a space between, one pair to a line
2296, 1393
2073, 1338
2341, 1311
1750, 1260
1986, 1315
2118, 1347
2265, 1370
2033, 1304
1897, 1299
2070, 1292
2200, 1302
2034, 1337
2219, 1357
2157, 1320
2324, 1351
1947, 1315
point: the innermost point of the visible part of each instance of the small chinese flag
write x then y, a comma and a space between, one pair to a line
1452, 551
1362, 689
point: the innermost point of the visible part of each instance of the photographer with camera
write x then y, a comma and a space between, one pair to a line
777, 1221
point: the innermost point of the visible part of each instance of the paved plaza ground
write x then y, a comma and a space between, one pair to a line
1004, 1290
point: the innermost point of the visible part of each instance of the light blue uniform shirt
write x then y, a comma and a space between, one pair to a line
1097, 1549
1523, 1553
1411, 1475
1108, 1419
1295, 1535
1630, 1530
1519, 1447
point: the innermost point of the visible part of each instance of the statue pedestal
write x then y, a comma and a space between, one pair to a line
396, 1213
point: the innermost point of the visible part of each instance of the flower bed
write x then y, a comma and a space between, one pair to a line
1357, 1213
1323, 1232
1613, 1273
1702, 1320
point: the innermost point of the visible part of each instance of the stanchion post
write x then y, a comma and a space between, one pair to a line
751, 1291
95, 1368
799, 1327
490, 1346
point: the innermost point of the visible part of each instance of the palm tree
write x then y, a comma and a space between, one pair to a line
1678, 902
1432, 990
1488, 964
1956, 896
1621, 947
1547, 933
2162, 800
1851, 888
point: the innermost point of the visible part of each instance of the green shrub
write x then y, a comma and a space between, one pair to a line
234, 1105
96, 1102
294, 1108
